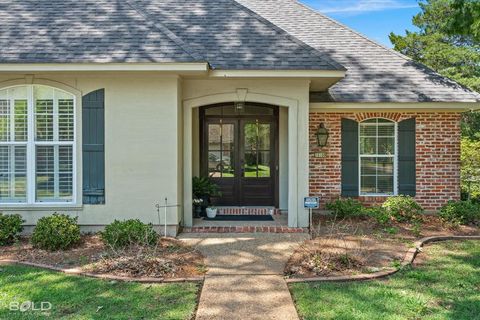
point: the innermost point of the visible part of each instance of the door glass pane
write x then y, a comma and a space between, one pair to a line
250, 136
214, 167
264, 136
228, 136
227, 168
264, 164
250, 166
214, 134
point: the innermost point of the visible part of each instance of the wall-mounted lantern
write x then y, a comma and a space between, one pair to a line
322, 135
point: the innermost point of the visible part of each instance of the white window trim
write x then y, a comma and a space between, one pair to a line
395, 165
31, 146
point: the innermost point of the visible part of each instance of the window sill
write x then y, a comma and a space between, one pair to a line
377, 195
40, 207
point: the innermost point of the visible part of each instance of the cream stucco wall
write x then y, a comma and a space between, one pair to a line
144, 124
143, 156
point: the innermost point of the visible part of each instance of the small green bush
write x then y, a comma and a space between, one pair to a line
10, 227
56, 232
403, 208
345, 208
460, 212
121, 234
380, 214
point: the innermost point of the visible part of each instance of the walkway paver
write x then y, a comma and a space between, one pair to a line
245, 275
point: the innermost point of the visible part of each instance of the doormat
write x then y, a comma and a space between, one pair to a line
222, 217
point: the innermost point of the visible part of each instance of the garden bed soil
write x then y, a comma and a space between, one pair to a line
169, 259
360, 245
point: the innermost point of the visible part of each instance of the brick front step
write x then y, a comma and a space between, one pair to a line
245, 229
248, 211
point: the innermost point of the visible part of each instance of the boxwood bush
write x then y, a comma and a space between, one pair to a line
56, 232
403, 208
121, 234
346, 208
460, 212
10, 228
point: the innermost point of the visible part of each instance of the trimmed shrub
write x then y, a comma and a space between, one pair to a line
380, 214
10, 227
56, 232
403, 208
460, 212
345, 208
121, 234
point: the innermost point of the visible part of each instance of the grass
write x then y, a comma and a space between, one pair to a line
446, 286
73, 297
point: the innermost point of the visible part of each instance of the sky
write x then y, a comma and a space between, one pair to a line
373, 18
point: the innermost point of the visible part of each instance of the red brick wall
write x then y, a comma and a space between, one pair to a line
437, 153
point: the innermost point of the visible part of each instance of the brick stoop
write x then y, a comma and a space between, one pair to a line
244, 229
248, 211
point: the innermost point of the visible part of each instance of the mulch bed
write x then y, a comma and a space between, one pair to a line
170, 258
358, 246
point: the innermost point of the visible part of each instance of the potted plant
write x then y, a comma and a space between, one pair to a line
204, 189
197, 207
211, 212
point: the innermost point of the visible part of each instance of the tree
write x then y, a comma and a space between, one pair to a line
448, 41
443, 43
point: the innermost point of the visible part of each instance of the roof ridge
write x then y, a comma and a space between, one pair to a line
286, 34
160, 27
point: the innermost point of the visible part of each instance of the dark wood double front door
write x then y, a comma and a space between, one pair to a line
240, 153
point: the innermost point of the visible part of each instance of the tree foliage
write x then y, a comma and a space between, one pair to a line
448, 41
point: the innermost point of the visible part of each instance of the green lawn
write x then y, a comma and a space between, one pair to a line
447, 286
75, 297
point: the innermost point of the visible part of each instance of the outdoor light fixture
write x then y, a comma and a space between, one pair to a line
322, 135
239, 106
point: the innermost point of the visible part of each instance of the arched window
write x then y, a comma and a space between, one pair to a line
378, 149
37, 145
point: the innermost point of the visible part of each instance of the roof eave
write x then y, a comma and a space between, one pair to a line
395, 106
188, 67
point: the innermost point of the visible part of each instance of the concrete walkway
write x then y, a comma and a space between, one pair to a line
244, 278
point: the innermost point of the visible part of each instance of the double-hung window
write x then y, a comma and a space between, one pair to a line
378, 140
37, 145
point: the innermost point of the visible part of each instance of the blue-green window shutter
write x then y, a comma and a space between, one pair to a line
350, 186
93, 120
406, 157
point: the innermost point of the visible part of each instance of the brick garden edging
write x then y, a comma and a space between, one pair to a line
78, 272
407, 260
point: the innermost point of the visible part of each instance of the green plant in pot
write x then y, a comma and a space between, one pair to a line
203, 188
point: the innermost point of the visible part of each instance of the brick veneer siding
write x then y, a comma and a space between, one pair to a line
437, 156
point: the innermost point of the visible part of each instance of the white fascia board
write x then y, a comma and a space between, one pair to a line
62, 67
277, 74
395, 106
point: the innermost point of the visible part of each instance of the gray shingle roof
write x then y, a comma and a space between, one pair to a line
228, 34
222, 33
375, 73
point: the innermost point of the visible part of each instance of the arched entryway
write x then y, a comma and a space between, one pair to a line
239, 151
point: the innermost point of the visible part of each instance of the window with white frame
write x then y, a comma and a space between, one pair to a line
37, 145
378, 157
